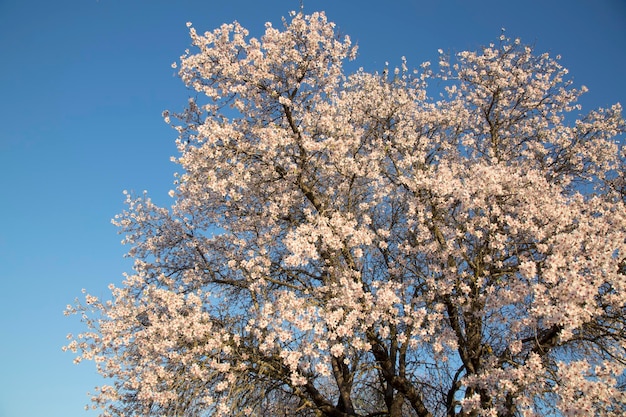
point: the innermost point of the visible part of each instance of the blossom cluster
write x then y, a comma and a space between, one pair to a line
345, 244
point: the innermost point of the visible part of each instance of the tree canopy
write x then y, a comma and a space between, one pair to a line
431, 242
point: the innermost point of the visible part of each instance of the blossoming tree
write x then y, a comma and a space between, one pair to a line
346, 245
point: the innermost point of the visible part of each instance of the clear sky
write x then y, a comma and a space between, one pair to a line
83, 84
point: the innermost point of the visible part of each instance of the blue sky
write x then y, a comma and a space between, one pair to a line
82, 87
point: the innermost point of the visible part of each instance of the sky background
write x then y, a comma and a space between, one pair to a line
83, 84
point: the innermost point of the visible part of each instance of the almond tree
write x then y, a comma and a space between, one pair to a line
346, 245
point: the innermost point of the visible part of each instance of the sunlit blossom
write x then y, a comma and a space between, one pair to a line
454, 250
